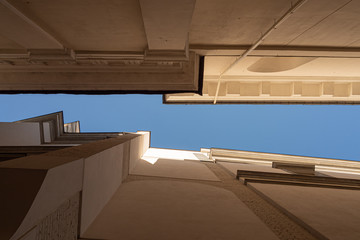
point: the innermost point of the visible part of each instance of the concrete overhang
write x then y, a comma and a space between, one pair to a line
156, 47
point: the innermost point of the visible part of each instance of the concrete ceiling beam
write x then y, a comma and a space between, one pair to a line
167, 23
18, 27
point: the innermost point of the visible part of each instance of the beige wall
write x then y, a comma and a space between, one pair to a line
36, 186
138, 147
329, 213
169, 198
60, 184
102, 176
175, 169
341, 175
176, 210
19, 134
233, 167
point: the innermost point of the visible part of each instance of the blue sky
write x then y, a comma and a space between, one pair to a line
330, 131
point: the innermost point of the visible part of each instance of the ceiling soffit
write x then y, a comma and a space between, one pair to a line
319, 43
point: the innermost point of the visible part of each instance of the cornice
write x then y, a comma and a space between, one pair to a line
76, 60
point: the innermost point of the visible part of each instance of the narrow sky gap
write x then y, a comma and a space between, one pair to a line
330, 131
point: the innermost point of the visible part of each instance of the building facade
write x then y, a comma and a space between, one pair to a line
59, 183
193, 51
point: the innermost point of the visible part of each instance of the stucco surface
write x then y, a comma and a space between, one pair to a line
102, 176
174, 169
341, 175
176, 210
59, 185
280, 224
334, 213
30, 134
233, 167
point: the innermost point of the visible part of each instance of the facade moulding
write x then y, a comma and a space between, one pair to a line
53, 130
103, 73
270, 158
69, 57
277, 51
297, 179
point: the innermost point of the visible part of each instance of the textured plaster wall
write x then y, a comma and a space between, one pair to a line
19, 134
58, 225
102, 176
233, 167
48, 180
61, 224
60, 184
329, 213
174, 169
341, 175
176, 210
